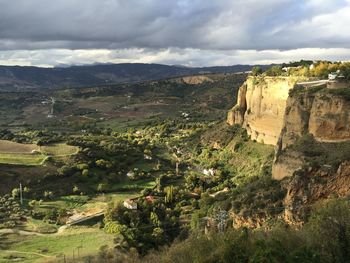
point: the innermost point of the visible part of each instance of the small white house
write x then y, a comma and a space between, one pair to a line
130, 204
130, 174
335, 75
185, 114
208, 172
147, 157
332, 76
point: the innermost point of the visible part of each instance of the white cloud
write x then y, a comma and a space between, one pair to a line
192, 32
188, 57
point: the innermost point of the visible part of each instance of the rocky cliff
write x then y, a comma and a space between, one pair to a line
309, 123
281, 110
316, 111
261, 106
310, 186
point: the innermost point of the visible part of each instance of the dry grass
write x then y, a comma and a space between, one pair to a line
14, 147
59, 149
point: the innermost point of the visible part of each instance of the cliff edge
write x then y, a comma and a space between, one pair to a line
316, 120
261, 106
288, 111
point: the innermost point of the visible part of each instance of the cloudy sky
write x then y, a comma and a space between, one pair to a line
186, 32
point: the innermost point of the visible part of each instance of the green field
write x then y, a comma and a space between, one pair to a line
82, 241
59, 149
22, 158
85, 203
133, 185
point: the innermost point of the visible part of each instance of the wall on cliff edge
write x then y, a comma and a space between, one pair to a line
261, 106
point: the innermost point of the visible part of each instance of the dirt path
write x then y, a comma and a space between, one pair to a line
32, 233
30, 253
20, 232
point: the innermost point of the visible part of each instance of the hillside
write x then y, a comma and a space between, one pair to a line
15, 77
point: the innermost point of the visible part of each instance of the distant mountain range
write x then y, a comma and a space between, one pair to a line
16, 77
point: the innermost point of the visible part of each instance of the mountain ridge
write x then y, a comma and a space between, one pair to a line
19, 77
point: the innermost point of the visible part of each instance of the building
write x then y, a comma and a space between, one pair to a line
149, 199
209, 172
289, 68
130, 204
332, 76
336, 80
130, 175
336, 75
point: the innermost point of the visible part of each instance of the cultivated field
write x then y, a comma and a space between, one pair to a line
59, 149
22, 158
14, 147
30, 154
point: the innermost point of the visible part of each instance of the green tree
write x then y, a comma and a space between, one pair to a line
169, 191
15, 192
274, 71
75, 189
101, 187
256, 71
85, 172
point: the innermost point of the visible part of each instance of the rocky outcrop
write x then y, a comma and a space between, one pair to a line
247, 220
310, 186
195, 80
261, 106
330, 118
236, 114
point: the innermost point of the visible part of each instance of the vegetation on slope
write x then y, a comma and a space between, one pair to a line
324, 238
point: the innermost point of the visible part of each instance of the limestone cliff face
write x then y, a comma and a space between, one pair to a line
330, 118
261, 106
278, 111
236, 114
322, 114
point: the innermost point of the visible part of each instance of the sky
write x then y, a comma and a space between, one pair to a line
182, 32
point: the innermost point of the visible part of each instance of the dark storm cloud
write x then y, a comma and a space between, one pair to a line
157, 24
